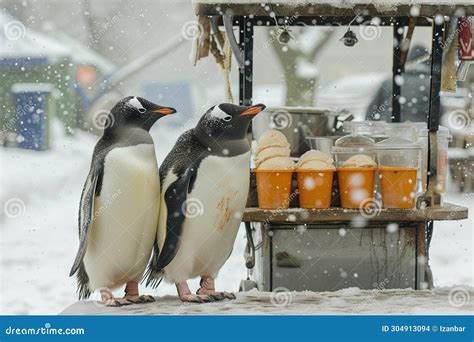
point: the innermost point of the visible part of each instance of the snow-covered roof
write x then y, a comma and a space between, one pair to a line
32, 87
17, 41
82, 53
331, 7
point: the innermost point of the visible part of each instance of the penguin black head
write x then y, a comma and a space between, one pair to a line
136, 111
227, 121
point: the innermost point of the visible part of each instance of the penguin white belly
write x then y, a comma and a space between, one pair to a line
125, 220
213, 215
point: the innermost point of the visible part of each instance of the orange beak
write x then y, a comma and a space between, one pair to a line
254, 110
164, 110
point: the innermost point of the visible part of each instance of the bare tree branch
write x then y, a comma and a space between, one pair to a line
320, 45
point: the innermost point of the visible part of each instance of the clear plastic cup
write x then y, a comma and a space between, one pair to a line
398, 163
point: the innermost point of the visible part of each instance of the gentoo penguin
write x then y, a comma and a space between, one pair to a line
119, 206
205, 183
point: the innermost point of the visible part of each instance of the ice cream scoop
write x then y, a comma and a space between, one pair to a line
271, 152
316, 165
315, 160
277, 163
272, 138
359, 160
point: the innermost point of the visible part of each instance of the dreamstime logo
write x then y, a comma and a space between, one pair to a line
371, 296
458, 297
110, 21
192, 208
24, 109
14, 207
108, 201
14, 30
192, 30
103, 119
447, 41
458, 119
280, 296
280, 120
370, 208
369, 31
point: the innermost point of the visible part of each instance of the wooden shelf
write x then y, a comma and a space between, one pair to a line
447, 212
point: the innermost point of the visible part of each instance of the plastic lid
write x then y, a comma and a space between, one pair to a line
397, 143
353, 143
364, 127
442, 131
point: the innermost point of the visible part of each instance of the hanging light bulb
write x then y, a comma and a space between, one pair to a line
284, 36
349, 38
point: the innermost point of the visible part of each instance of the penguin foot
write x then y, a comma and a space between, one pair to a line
194, 298
128, 300
116, 302
108, 299
146, 299
131, 293
207, 288
186, 296
217, 295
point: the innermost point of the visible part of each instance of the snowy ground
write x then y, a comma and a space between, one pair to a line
39, 195
350, 301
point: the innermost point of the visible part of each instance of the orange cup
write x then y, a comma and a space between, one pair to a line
273, 188
315, 188
397, 186
356, 186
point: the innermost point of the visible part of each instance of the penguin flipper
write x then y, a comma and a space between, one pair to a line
175, 199
86, 211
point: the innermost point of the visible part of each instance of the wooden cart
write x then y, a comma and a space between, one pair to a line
329, 249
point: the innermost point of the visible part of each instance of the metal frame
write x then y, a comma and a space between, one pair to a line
246, 38
396, 71
431, 197
264, 279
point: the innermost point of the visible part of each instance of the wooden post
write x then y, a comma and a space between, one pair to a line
421, 256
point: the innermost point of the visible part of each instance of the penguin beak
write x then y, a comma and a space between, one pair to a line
164, 110
253, 110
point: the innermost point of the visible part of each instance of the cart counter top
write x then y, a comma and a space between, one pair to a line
305, 216
332, 7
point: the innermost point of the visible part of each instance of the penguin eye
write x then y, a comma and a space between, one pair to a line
227, 118
142, 110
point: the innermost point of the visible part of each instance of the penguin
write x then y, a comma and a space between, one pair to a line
205, 183
119, 206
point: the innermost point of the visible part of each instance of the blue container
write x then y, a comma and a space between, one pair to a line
31, 101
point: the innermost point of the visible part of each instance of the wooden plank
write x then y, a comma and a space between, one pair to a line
421, 257
304, 216
289, 10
